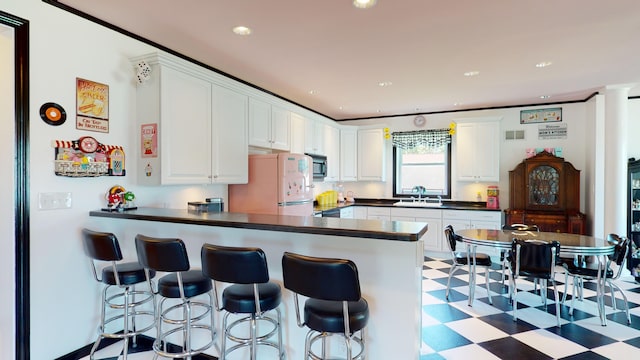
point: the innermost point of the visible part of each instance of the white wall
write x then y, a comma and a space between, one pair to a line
7, 154
64, 296
512, 151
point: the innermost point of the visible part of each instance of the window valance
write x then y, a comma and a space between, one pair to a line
432, 139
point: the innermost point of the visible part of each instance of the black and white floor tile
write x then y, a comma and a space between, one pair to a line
453, 330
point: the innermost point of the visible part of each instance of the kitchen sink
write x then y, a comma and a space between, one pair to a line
418, 204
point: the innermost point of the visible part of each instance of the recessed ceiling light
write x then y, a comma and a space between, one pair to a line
241, 30
543, 64
312, 92
457, 104
385, 83
545, 96
472, 73
364, 4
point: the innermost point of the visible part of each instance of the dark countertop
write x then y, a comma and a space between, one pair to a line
446, 205
385, 230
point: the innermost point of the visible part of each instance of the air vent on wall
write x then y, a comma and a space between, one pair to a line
514, 135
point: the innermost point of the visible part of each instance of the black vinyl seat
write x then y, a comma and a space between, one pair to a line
505, 255
334, 304
250, 293
581, 273
534, 259
184, 313
461, 259
126, 301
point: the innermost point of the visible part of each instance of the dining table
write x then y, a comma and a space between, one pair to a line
571, 245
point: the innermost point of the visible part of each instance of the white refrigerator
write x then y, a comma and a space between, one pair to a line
279, 184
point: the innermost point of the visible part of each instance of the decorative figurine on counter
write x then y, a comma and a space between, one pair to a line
118, 199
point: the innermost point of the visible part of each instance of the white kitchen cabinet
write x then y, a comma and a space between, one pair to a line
332, 151
297, 133
359, 212
347, 213
371, 155
314, 137
349, 154
196, 122
473, 219
269, 125
434, 236
478, 151
379, 213
230, 150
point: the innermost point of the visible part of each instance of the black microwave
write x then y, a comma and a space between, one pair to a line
319, 166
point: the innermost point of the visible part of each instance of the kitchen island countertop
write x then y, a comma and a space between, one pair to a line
384, 230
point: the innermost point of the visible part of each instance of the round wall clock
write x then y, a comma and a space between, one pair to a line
419, 121
87, 144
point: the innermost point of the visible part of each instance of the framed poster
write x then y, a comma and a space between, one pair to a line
540, 115
92, 106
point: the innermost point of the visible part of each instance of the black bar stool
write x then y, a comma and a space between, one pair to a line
183, 314
250, 293
334, 305
127, 301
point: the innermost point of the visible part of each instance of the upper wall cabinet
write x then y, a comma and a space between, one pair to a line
332, 150
349, 154
269, 125
371, 155
297, 133
314, 132
478, 151
187, 122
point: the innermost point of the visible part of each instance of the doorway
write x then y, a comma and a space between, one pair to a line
14, 65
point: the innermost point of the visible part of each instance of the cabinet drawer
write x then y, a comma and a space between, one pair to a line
495, 216
378, 211
407, 212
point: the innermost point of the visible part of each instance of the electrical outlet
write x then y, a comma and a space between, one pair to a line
54, 200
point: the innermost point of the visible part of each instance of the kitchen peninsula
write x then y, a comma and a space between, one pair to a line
389, 256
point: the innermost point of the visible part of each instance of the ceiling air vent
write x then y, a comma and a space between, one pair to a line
514, 135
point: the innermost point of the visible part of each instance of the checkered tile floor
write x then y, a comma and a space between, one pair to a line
454, 330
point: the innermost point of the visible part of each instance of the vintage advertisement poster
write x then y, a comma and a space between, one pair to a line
92, 106
149, 140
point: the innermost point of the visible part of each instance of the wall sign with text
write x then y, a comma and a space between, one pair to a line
92, 106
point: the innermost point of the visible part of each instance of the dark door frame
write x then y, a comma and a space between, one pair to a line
21, 178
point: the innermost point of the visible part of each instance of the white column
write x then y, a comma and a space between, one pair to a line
615, 176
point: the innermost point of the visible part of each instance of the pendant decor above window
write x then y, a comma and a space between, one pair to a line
427, 140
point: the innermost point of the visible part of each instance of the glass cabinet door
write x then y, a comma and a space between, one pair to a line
544, 185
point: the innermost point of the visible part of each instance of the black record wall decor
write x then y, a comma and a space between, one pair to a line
53, 114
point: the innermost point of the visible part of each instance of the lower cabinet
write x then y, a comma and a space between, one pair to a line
433, 237
470, 219
359, 212
436, 219
379, 213
347, 213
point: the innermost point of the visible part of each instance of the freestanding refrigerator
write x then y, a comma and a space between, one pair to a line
280, 184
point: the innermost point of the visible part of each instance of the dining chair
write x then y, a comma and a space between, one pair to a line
505, 255
461, 259
581, 273
534, 259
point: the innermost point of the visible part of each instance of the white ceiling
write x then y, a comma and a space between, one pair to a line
422, 47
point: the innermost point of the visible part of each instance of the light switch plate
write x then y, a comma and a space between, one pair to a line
54, 200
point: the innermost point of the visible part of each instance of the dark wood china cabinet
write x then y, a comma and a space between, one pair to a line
545, 190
